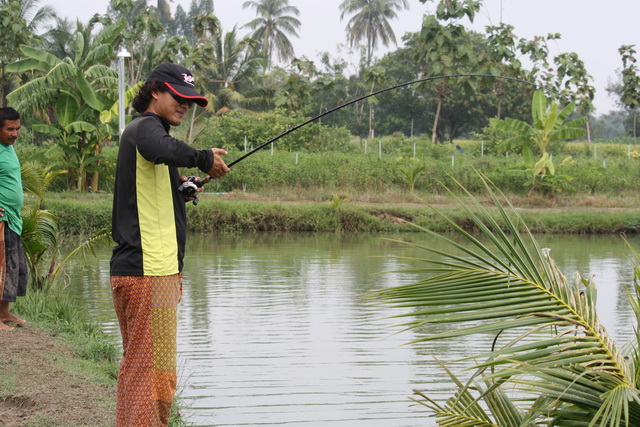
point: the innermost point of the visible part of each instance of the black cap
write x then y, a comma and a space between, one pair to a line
179, 80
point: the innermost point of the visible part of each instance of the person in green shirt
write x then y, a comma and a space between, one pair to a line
13, 267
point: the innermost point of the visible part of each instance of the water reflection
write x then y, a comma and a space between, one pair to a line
275, 329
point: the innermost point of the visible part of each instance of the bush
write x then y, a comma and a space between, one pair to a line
230, 130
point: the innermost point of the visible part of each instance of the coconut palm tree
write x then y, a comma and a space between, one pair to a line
233, 78
34, 15
370, 22
58, 40
271, 27
41, 237
558, 365
21, 20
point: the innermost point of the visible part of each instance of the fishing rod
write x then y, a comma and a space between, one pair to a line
346, 104
353, 101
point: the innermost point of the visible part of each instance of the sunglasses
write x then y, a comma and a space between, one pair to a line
180, 100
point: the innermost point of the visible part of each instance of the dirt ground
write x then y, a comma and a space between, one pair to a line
43, 384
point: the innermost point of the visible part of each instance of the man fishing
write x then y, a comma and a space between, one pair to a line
149, 227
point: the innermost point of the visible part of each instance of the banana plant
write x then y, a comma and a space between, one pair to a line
558, 365
69, 93
548, 127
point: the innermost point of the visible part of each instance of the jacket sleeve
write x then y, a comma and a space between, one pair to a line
157, 146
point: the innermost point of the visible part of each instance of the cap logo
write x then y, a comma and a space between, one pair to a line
188, 79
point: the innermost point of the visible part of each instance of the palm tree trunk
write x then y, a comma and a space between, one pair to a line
95, 178
435, 121
193, 120
82, 170
635, 120
371, 121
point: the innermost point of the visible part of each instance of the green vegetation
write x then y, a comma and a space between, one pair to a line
63, 83
596, 169
548, 127
551, 361
54, 309
390, 213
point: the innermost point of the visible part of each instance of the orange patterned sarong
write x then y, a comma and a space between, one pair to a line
146, 307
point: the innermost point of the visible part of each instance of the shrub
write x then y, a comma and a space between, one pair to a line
230, 130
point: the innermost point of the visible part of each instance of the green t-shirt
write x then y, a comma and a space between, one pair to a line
11, 193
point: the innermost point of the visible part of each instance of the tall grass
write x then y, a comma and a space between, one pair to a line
54, 309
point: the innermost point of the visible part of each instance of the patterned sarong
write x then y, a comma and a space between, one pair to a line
13, 265
146, 307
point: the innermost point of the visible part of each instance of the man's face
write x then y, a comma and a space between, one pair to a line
170, 109
9, 132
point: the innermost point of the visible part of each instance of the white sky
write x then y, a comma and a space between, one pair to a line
594, 29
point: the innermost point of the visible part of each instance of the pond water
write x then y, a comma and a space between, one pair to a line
276, 329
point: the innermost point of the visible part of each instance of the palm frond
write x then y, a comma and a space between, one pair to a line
101, 238
502, 282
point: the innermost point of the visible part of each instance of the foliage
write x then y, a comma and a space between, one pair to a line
548, 127
69, 94
501, 59
575, 81
493, 140
630, 95
139, 35
446, 46
276, 19
537, 50
411, 172
19, 22
552, 361
370, 21
229, 69
230, 130
337, 201
41, 236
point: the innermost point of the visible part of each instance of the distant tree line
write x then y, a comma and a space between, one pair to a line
61, 74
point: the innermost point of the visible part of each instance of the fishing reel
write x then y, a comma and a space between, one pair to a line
189, 188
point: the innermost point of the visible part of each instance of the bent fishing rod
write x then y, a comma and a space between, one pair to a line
353, 101
378, 92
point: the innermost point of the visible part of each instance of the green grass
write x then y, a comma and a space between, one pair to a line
55, 310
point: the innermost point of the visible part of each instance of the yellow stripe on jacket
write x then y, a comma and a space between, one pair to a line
156, 216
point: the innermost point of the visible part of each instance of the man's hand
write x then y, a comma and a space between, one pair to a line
1, 210
219, 168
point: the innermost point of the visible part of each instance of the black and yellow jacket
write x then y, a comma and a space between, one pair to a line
149, 215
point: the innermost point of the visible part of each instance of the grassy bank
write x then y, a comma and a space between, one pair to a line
61, 369
385, 212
